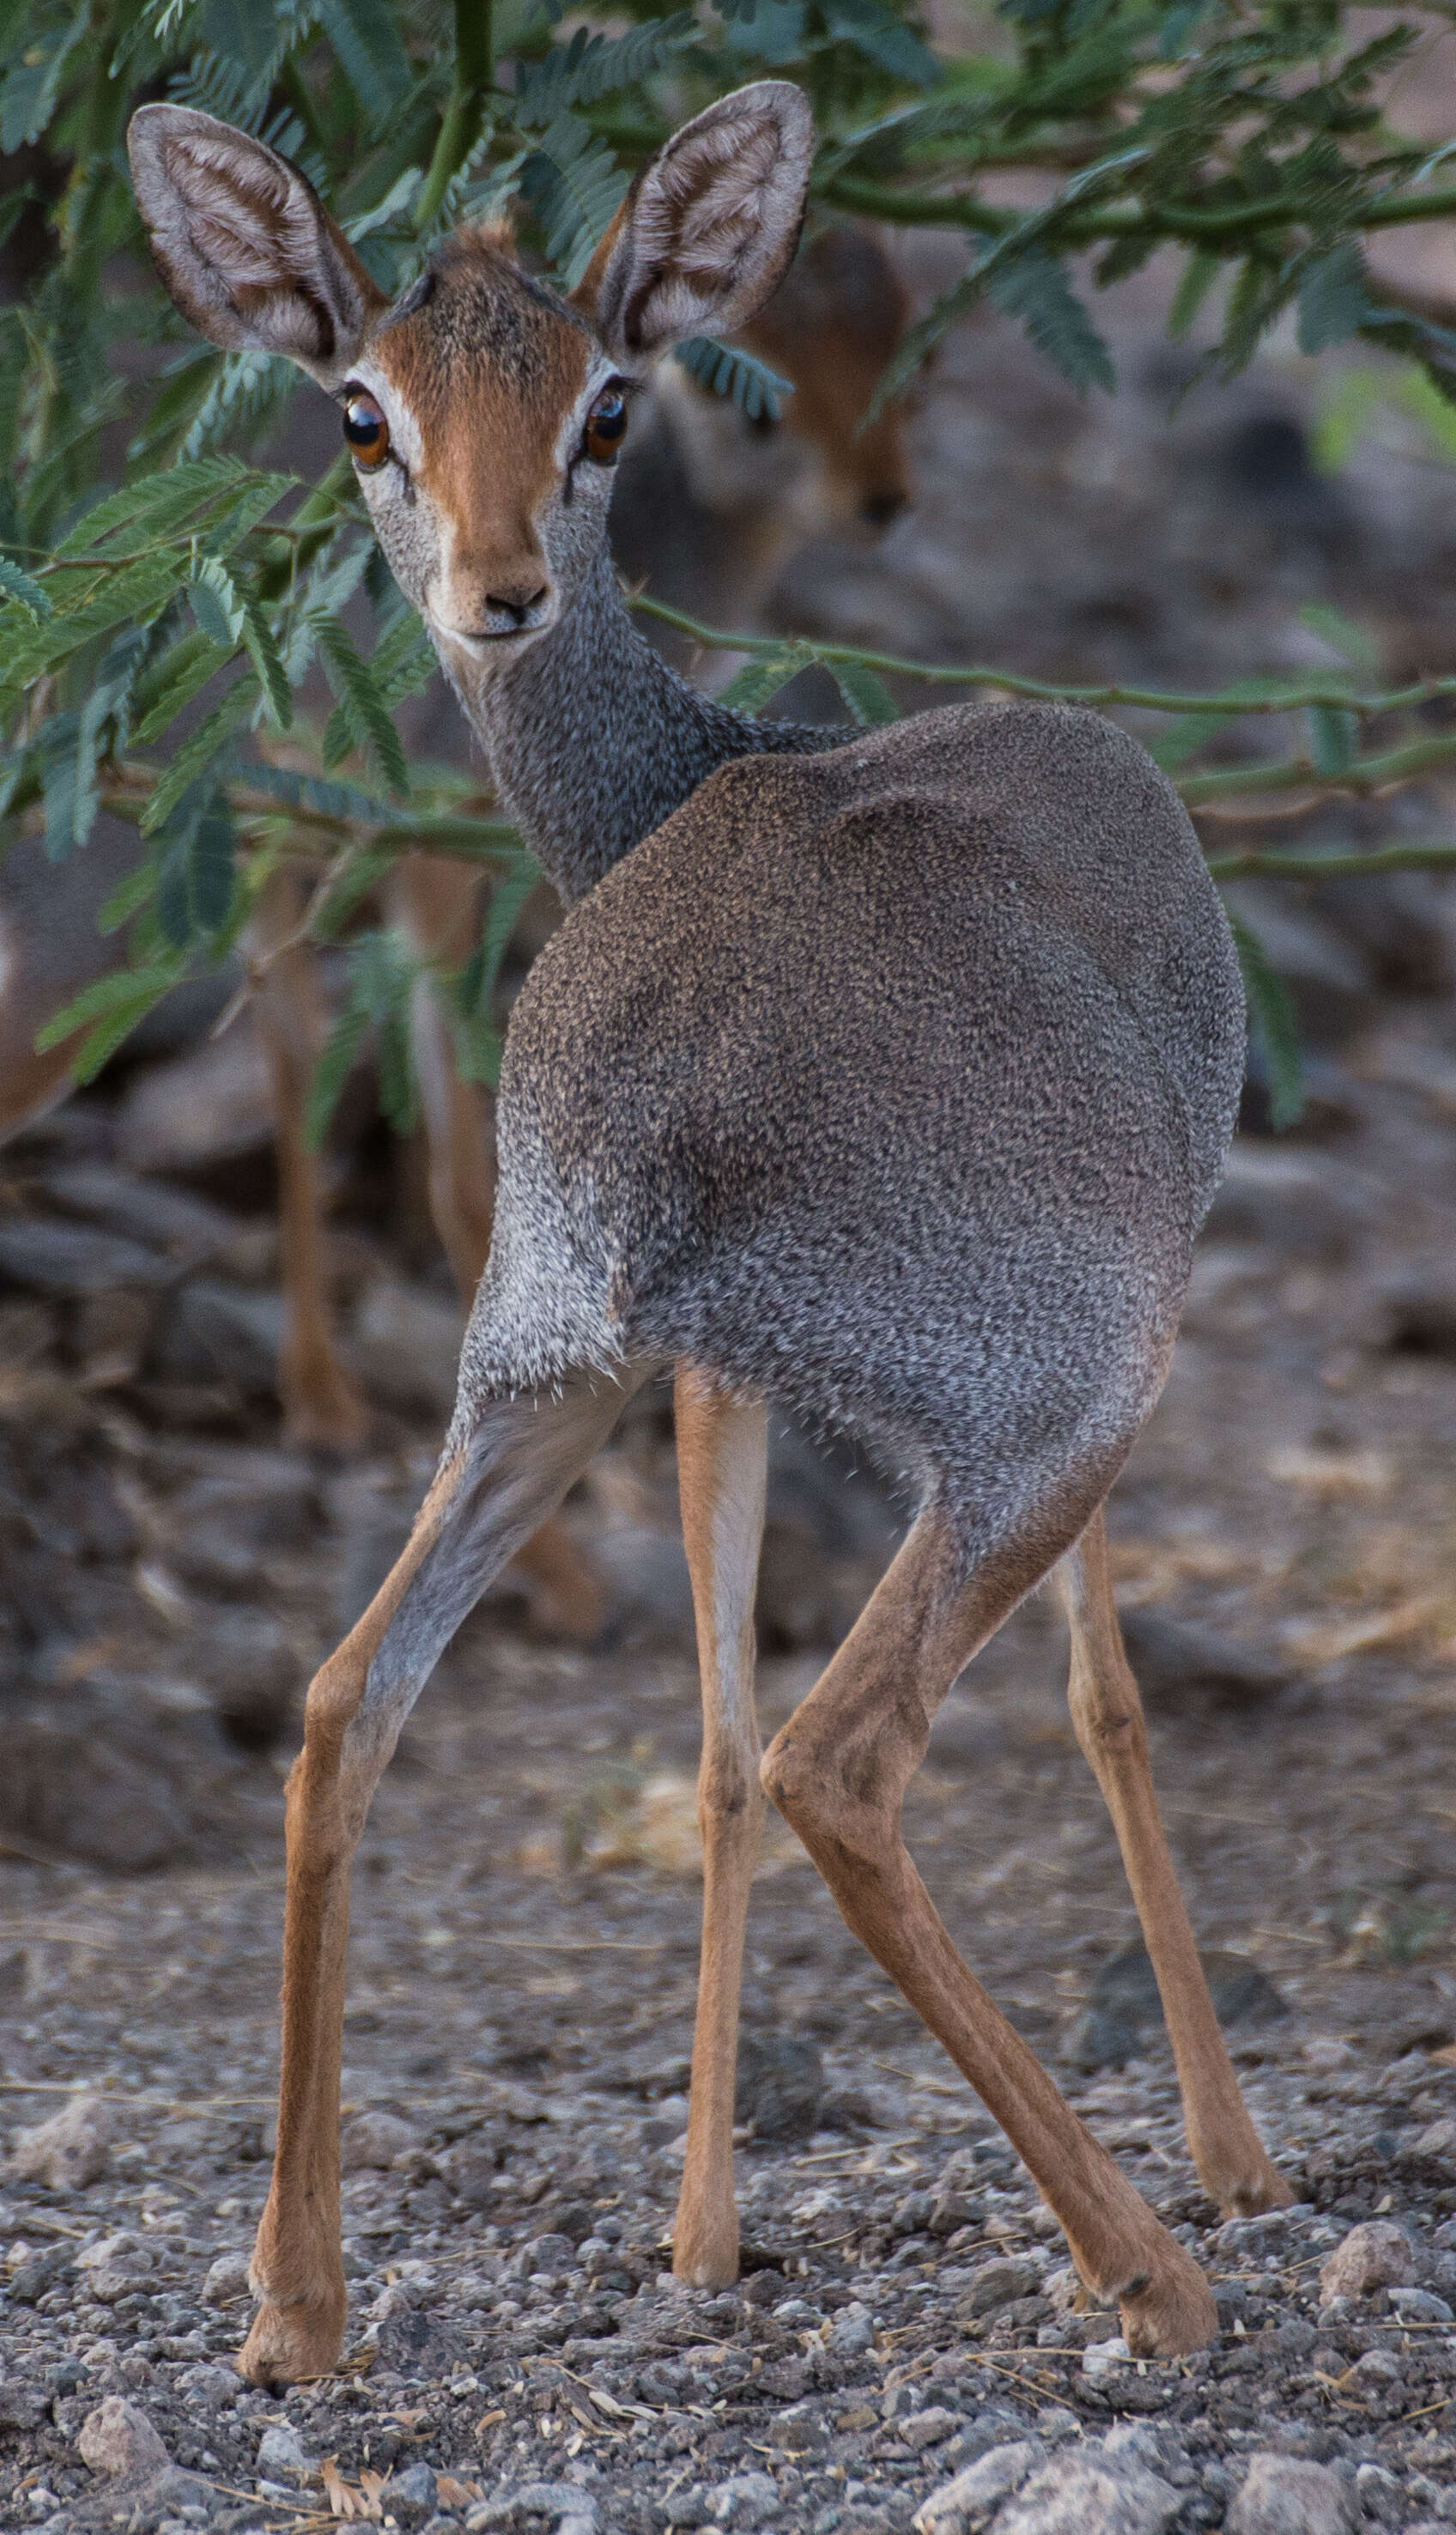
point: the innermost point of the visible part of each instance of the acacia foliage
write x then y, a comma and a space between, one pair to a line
150, 569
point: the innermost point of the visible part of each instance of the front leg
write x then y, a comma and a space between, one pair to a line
488, 1498
722, 1455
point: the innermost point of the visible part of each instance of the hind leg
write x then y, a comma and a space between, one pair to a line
722, 1458
838, 1770
487, 1498
1106, 1713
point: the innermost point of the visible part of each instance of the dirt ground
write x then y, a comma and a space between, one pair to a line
527, 1900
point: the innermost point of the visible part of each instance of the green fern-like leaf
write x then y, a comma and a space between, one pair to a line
18, 585
760, 680
575, 186
590, 67
361, 704
868, 697
1033, 286
727, 371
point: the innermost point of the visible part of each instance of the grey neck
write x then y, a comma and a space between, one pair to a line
593, 739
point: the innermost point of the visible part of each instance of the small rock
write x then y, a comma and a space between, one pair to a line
470, 2169
1377, 2255
780, 2085
1083, 2495
799, 2431
1437, 2141
1376, 2369
745, 2500
1382, 2495
68, 2151
410, 2495
280, 2456
851, 2331
373, 2140
961, 2507
1099, 2358
928, 2429
1420, 2306
552, 2254
1184, 1665
75, 1259
215, 1332
1285, 2496
1125, 2007
227, 2278
117, 2438
997, 2283
22, 2405
112, 2266
571, 2510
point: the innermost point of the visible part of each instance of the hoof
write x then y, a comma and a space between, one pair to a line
290, 2342
1171, 2313
1248, 2194
706, 2258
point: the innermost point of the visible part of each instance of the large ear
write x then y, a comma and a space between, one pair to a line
244, 244
708, 228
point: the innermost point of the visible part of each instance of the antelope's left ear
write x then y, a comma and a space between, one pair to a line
244, 244
708, 228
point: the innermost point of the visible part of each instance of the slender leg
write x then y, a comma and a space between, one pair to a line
838, 1770
518, 1464
722, 1452
1106, 1713
321, 1404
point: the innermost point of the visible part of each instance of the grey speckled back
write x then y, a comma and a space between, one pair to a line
894, 1081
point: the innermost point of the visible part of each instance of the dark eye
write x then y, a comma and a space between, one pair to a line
606, 424
366, 430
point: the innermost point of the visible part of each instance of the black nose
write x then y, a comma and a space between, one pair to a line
879, 508
518, 609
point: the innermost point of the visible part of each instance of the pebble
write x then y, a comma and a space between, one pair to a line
929, 2428
961, 2507
68, 2151
1087, 2494
570, 2508
1099, 2358
373, 2140
410, 2497
117, 2438
780, 2085
997, 2283
1420, 2306
1287, 2496
1377, 2256
226, 2279
745, 2500
280, 2456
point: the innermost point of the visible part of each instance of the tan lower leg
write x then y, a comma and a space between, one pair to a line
1106, 1713
838, 1770
297, 2269
721, 1460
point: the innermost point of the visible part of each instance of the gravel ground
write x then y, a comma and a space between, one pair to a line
521, 1993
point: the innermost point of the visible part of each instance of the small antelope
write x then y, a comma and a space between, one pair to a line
892, 1077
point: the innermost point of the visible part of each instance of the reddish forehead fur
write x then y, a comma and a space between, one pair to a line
487, 366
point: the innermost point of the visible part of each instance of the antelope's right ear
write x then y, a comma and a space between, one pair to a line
245, 246
708, 228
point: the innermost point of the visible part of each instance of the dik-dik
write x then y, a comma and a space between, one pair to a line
891, 1079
